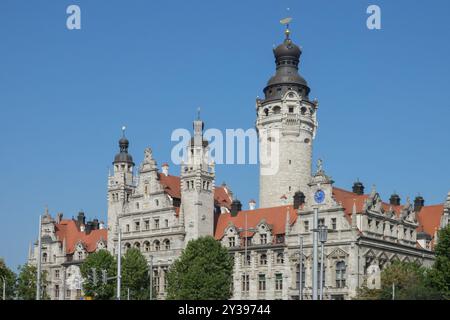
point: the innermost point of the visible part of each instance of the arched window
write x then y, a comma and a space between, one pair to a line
156, 245
303, 110
127, 246
266, 111
137, 245
276, 110
167, 244
156, 202
280, 258
340, 274
263, 259
146, 246
44, 257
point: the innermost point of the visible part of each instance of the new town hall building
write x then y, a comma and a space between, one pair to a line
159, 213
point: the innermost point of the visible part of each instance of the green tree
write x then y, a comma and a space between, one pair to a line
202, 272
440, 273
26, 283
10, 281
94, 285
409, 279
135, 275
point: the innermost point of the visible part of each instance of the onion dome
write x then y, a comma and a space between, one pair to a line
123, 156
287, 57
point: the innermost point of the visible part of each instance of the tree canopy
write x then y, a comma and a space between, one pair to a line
10, 280
202, 272
92, 271
26, 283
410, 282
440, 273
135, 275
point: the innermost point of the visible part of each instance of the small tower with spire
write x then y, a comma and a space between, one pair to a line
120, 186
197, 186
286, 125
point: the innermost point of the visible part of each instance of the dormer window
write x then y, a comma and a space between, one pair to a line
263, 239
231, 242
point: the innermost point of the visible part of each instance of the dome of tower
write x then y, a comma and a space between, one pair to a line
287, 49
123, 155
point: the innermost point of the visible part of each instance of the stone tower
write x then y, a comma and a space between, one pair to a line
197, 187
120, 187
286, 124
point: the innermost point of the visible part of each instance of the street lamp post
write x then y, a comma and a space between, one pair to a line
323, 233
119, 261
151, 277
4, 288
246, 229
315, 253
38, 262
300, 268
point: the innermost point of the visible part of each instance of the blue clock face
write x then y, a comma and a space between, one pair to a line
319, 196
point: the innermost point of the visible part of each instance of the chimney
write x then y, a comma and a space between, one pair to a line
252, 205
299, 199
81, 219
394, 200
358, 188
95, 224
165, 169
59, 217
419, 202
89, 227
236, 206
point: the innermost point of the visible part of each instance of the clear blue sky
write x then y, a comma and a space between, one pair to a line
64, 95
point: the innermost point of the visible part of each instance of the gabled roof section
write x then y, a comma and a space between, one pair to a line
275, 217
68, 230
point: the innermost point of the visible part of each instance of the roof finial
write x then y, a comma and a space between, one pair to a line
198, 113
123, 131
286, 22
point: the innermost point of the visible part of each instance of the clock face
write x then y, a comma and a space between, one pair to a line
319, 196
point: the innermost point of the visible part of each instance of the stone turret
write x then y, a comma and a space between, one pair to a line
286, 124
197, 187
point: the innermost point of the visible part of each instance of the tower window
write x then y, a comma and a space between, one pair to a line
266, 111
276, 110
290, 161
307, 141
303, 110
291, 109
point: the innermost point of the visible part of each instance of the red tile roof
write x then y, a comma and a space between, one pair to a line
275, 217
68, 230
429, 218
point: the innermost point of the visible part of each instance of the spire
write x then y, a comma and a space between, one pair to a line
30, 252
354, 225
287, 222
